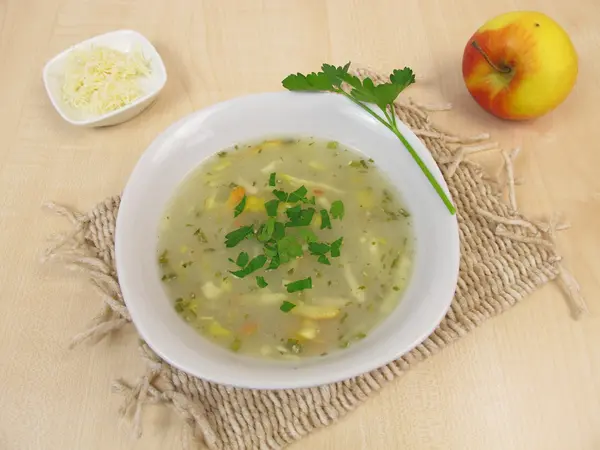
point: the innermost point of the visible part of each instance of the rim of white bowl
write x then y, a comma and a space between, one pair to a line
233, 378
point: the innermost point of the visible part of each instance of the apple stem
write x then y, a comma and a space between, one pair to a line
502, 68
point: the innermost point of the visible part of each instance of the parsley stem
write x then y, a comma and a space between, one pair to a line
394, 129
393, 114
387, 116
426, 171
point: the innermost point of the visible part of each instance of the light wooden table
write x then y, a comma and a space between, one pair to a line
527, 380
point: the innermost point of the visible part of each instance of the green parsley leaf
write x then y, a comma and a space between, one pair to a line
255, 263
329, 79
271, 207
261, 283
270, 250
293, 213
324, 260
240, 207
266, 230
403, 78
299, 285
272, 179
281, 195
242, 259
236, 236
303, 219
275, 263
298, 195
287, 306
325, 220
335, 74
279, 231
308, 235
337, 209
318, 248
335, 247
288, 248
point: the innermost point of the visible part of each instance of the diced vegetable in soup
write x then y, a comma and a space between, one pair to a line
287, 248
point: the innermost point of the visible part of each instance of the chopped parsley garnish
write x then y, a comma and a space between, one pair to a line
298, 195
266, 230
281, 195
270, 250
236, 236
299, 285
325, 220
293, 212
288, 248
301, 219
278, 245
274, 264
332, 145
287, 306
335, 247
242, 259
337, 209
308, 235
279, 231
255, 263
240, 207
324, 260
318, 248
271, 207
261, 283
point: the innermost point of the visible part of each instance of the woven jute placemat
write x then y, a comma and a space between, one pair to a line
504, 257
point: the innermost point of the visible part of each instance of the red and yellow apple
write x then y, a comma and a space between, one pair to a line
519, 65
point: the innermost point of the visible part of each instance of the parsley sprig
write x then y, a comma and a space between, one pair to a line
364, 91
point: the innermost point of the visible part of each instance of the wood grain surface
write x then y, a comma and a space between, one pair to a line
528, 380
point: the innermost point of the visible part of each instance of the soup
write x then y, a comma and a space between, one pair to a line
286, 248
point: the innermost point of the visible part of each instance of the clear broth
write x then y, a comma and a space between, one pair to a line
254, 312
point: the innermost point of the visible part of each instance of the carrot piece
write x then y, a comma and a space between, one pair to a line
236, 196
318, 192
249, 328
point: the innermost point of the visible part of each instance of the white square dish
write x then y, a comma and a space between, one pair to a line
125, 41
